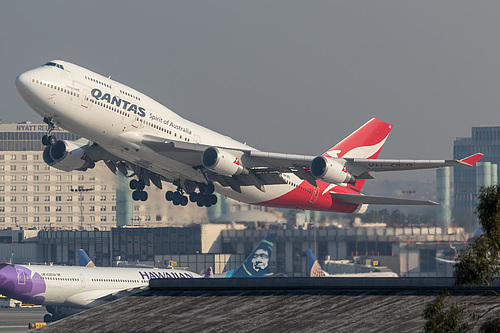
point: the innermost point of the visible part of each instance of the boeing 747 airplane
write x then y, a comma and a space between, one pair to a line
144, 140
66, 290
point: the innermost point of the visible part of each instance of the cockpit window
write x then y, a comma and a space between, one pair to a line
53, 64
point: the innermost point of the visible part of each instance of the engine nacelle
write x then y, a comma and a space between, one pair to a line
222, 162
330, 171
67, 156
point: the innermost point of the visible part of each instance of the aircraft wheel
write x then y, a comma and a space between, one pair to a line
133, 184
47, 318
136, 195
169, 195
213, 199
52, 140
143, 195
184, 200
45, 140
206, 201
193, 197
200, 202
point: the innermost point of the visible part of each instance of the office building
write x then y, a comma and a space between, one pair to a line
486, 140
35, 195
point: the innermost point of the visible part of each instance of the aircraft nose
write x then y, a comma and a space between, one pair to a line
23, 81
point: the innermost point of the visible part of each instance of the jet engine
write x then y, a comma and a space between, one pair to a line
67, 156
330, 170
222, 162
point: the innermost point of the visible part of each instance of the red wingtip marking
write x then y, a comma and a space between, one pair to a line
471, 160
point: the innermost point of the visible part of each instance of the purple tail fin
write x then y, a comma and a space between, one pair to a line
208, 273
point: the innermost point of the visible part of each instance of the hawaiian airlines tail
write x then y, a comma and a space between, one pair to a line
365, 142
208, 273
84, 259
257, 263
315, 269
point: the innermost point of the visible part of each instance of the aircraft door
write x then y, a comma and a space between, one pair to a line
135, 120
85, 98
82, 280
21, 277
314, 195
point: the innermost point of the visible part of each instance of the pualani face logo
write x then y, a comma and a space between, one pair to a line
118, 102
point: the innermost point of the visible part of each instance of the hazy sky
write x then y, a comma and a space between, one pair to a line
284, 76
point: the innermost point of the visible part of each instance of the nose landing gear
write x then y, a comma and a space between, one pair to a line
49, 139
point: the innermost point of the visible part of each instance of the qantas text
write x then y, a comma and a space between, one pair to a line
119, 102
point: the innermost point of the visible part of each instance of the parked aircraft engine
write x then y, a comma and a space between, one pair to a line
222, 162
67, 156
330, 170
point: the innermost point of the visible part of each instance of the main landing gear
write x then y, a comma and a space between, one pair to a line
204, 198
49, 139
185, 192
139, 194
54, 314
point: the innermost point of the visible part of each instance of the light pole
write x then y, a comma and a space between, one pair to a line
80, 191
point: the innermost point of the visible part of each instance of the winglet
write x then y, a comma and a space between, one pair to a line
471, 160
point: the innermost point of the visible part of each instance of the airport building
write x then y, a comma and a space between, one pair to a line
409, 252
35, 195
467, 181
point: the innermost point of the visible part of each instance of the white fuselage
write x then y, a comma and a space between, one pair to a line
116, 117
75, 286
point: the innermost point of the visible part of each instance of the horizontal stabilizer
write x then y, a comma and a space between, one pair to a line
373, 200
471, 160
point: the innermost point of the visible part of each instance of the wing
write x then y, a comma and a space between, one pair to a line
374, 200
400, 165
263, 168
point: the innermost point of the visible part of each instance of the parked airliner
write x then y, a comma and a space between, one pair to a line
66, 290
144, 140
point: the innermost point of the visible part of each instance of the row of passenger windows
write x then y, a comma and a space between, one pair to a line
150, 124
98, 82
54, 278
299, 187
66, 91
115, 280
130, 95
112, 108
289, 182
